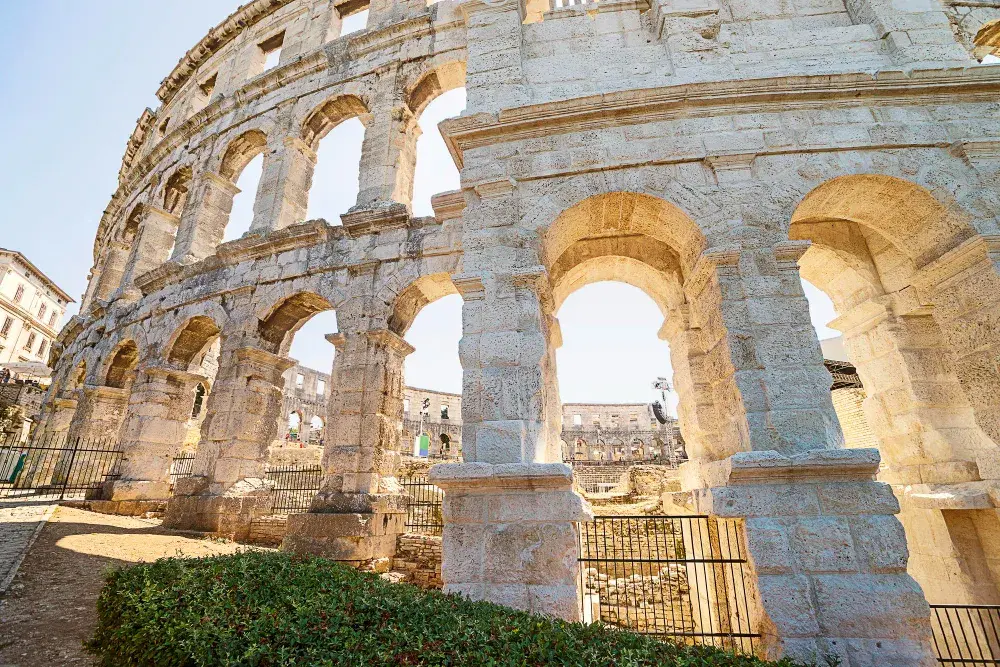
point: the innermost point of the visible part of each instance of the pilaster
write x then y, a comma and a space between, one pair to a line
203, 224
283, 195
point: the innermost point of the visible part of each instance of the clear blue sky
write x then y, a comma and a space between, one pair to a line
78, 74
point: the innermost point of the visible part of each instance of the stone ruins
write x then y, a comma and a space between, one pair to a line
709, 152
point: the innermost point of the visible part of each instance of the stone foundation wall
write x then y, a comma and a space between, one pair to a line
418, 559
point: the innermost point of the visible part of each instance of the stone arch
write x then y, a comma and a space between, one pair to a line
412, 299
903, 213
653, 245
240, 152
276, 329
175, 190
914, 400
444, 75
190, 341
603, 220
329, 115
987, 40
120, 369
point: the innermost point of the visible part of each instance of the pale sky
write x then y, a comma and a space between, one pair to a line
77, 75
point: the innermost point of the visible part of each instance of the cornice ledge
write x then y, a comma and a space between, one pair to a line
635, 106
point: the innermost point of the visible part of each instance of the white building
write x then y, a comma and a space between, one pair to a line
31, 310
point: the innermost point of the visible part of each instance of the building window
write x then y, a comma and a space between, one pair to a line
444, 412
42, 347
5, 329
19, 294
406, 405
52, 318
41, 311
321, 387
596, 420
31, 341
271, 49
577, 420
199, 399
300, 380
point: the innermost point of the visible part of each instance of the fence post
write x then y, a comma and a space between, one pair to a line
69, 469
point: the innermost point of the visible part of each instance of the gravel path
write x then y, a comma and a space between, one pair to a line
20, 524
49, 608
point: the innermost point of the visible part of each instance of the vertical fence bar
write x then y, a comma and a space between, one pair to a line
638, 565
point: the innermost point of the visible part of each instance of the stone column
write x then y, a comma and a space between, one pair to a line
494, 73
57, 416
99, 414
827, 555
229, 486
158, 412
511, 534
203, 224
112, 270
388, 154
360, 508
152, 248
283, 195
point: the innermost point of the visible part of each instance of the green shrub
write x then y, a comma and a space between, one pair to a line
258, 608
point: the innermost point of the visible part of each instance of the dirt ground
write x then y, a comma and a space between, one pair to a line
50, 607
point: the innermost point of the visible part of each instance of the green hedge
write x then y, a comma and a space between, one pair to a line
259, 608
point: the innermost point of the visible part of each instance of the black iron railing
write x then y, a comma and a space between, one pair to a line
294, 487
182, 466
423, 510
676, 577
966, 634
57, 467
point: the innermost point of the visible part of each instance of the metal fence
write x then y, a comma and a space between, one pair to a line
675, 577
966, 634
182, 466
423, 509
294, 487
57, 467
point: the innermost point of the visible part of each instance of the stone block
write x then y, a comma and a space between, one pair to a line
880, 542
875, 606
824, 544
787, 601
769, 546
857, 498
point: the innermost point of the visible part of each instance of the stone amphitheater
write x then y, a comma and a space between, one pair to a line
708, 152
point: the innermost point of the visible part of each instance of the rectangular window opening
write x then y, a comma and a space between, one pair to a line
42, 347
271, 48
321, 387
444, 412
300, 380
577, 420
6, 326
19, 294
31, 341
41, 311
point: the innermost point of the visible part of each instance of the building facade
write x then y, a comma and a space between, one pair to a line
31, 310
712, 153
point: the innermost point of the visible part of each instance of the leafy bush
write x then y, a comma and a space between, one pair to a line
258, 608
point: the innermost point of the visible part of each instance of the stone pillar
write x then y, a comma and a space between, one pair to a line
228, 486
388, 154
494, 73
158, 412
511, 534
99, 414
57, 416
112, 270
360, 508
283, 195
152, 248
827, 555
203, 224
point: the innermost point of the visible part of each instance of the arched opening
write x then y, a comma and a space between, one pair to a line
336, 132
195, 348
175, 191
437, 96
121, 369
865, 253
617, 265
299, 327
428, 314
199, 400
986, 45
243, 165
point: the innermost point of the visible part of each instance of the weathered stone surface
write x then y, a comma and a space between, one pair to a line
712, 155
